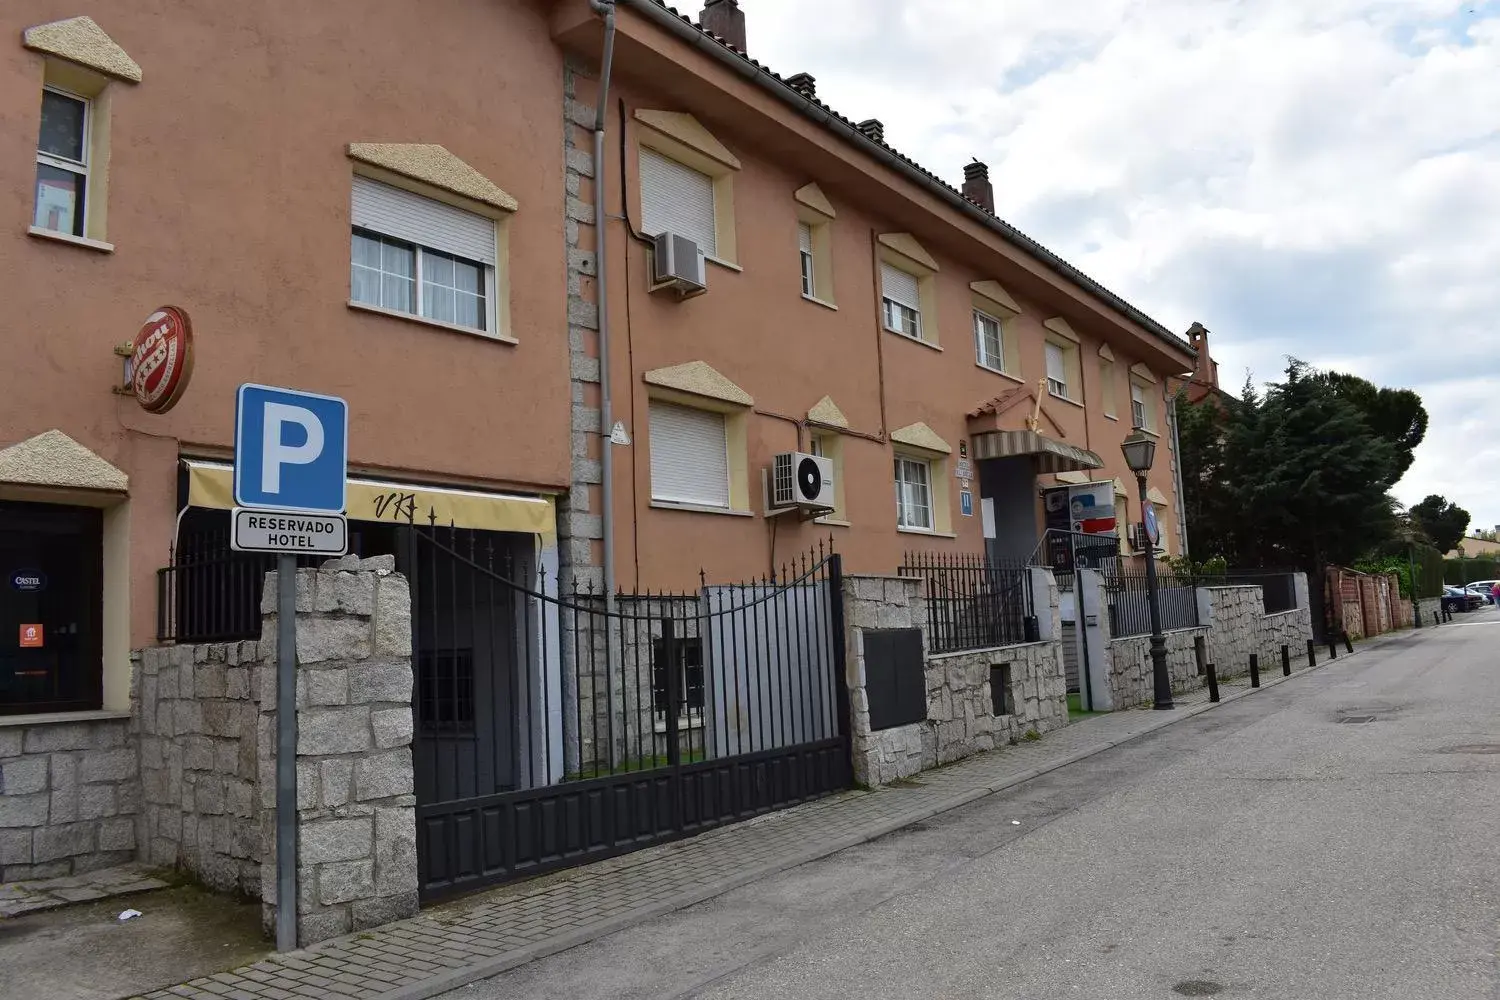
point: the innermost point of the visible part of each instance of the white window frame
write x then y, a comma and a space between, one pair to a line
1057, 386
490, 313
657, 496
896, 314
80, 168
1138, 411
805, 250
908, 507
996, 362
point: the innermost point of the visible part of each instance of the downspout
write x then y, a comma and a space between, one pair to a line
1182, 528
606, 10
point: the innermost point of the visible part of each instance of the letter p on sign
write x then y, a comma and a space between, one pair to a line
290, 450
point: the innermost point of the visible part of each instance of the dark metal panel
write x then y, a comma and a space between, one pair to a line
895, 679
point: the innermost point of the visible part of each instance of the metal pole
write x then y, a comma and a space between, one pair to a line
1312, 653
1286, 661
286, 752
1213, 682
1163, 680
1255, 670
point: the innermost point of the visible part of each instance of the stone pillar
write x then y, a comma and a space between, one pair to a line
356, 802
1093, 627
880, 602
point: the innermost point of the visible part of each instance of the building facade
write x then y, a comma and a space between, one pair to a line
357, 227
575, 330
855, 307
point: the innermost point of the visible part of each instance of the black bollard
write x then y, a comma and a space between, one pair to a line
1312, 653
1213, 682
1348, 643
1254, 670
1200, 652
1333, 648
1286, 661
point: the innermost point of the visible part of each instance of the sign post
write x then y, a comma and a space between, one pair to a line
291, 458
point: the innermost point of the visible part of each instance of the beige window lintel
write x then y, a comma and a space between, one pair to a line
907, 246
812, 197
80, 40
994, 292
698, 378
689, 132
1157, 497
1060, 326
436, 168
1106, 353
922, 438
826, 412
1140, 371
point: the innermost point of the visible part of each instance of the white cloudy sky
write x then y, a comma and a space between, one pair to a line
1318, 178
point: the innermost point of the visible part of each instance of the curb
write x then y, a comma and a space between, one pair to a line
456, 978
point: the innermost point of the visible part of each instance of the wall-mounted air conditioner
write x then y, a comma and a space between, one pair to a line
802, 481
1135, 534
677, 265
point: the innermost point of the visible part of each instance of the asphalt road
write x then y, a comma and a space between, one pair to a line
1265, 849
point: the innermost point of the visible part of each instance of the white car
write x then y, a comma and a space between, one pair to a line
1484, 588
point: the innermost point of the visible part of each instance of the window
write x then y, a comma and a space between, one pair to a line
1057, 370
1137, 406
62, 167
677, 199
901, 301
913, 494
689, 455
689, 654
805, 247
1107, 384
413, 255
988, 341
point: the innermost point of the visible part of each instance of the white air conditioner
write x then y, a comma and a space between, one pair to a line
677, 264
802, 481
1135, 534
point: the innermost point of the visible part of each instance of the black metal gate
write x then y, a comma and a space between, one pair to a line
555, 729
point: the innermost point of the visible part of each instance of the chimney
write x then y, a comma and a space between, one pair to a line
977, 186
804, 84
873, 128
1206, 369
725, 19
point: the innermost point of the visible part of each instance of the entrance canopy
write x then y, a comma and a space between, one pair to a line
211, 484
1052, 456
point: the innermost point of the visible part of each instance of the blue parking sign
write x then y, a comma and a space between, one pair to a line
291, 450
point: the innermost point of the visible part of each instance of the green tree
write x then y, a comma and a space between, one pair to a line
1394, 414
1443, 523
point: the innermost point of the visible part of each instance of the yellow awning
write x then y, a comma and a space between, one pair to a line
211, 484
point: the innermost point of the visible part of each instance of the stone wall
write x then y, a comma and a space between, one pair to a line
196, 709
961, 704
1131, 680
961, 719
1429, 606
356, 802
69, 792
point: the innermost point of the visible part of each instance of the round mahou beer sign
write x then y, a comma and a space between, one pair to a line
161, 359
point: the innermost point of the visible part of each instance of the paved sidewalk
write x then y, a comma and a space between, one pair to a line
37, 895
452, 945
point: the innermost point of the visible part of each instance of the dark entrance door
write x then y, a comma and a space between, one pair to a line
51, 602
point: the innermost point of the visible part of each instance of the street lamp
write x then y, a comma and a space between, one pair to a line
1140, 452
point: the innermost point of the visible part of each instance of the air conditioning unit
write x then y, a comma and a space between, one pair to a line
1135, 534
677, 264
802, 481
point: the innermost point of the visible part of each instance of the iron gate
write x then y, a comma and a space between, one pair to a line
554, 728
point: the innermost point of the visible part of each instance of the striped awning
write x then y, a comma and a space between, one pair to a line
1052, 456
211, 484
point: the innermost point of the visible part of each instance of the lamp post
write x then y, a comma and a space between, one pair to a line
1140, 452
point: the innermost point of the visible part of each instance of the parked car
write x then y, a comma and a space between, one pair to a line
1458, 599
1485, 591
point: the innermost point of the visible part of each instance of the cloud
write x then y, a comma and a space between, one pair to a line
1319, 180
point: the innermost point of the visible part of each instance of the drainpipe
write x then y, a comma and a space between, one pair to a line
606, 10
1182, 528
